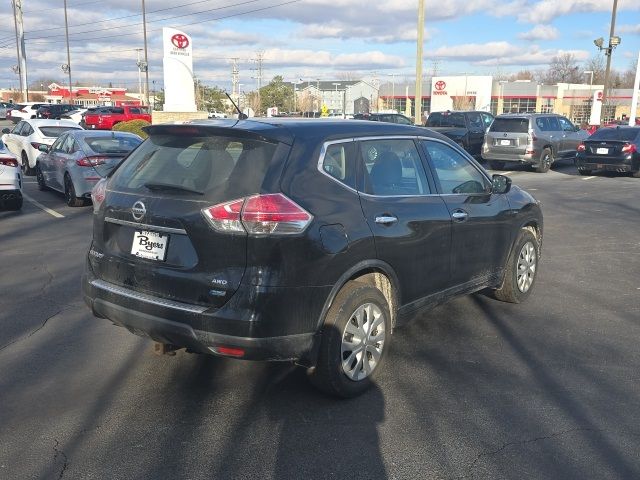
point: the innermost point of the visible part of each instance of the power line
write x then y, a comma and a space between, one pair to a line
85, 40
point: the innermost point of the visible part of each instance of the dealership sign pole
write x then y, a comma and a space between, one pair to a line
178, 71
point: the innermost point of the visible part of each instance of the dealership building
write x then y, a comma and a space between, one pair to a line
580, 103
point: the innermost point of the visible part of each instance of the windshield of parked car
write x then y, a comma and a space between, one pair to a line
445, 120
510, 125
220, 167
624, 134
116, 144
55, 132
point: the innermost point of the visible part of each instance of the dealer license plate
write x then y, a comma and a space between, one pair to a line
505, 142
602, 151
151, 245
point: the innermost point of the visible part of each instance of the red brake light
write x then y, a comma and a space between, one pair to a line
273, 213
630, 148
258, 215
91, 161
229, 351
9, 162
581, 147
98, 193
225, 217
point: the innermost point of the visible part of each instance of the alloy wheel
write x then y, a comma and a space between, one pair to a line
526, 269
362, 341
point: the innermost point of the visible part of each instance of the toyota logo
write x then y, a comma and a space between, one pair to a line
441, 85
180, 40
138, 210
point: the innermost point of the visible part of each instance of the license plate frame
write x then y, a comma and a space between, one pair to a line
150, 245
602, 151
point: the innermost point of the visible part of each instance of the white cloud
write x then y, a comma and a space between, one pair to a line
540, 32
632, 29
546, 10
475, 51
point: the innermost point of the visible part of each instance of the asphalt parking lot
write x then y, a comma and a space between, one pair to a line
480, 389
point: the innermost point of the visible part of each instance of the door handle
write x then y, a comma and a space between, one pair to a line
459, 215
386, 219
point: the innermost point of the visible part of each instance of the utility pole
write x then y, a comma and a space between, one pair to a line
138, 50
66, 30
22, 54
146, 57
235, 80
608, 51
418, 96
259, 60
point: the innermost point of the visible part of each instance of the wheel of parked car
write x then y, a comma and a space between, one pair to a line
583, 171
496, 165
355, 338
70, 193
26, 169
522, 268
546, 159
42, 185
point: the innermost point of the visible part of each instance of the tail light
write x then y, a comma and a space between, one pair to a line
629, 148
92, 161
9, 162
259, 215
581, 147
36, 145
98, 193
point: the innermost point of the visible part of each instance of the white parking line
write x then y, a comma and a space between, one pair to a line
507, 173
53, 213
589, 178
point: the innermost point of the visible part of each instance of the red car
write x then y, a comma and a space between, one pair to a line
101, 120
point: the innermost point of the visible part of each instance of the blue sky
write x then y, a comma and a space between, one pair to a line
313, 39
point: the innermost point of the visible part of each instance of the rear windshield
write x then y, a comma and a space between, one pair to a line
55, 131
510, 125
210, 167
446, 120
625, 134
112, 145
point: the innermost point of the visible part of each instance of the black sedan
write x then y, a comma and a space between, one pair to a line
610, 149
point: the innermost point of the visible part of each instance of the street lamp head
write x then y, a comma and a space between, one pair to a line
614, 41
598, 42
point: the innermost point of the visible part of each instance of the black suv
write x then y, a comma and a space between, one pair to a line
54, 110
301, 240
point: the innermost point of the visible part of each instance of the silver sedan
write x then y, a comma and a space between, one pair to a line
78, 159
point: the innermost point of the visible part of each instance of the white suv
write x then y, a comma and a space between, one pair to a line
24, 111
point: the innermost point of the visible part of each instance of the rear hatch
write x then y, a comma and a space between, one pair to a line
152, 228
508, 135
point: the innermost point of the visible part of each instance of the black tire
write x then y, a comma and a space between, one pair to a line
511, 290
70, 193
42, 184
26, 169
493, 165
584, 172
544, 164
329, 374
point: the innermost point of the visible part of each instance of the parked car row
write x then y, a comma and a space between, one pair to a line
62, 155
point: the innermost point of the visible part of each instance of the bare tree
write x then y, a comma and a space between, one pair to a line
521, 75
595, 64
563, 69
629, 76
307, 102
464, 103
348, 76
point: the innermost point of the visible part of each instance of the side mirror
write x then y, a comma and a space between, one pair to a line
6, 130
500, 184
43, 148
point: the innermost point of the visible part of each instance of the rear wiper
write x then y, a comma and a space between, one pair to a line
169, 186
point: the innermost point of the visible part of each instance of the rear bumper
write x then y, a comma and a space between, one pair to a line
274, 324
9, 196
626, 165
508, 157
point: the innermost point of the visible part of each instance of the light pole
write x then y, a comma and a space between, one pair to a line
336, 84
590, 92
501, 97
146, 57
393, 91
418, 96
613, 43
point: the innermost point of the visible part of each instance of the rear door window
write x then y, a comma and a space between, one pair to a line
392, 168
554, 125
339, 162
510, 125
214, 167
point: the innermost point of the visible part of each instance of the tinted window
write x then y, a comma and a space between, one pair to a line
566, 125
402, 120
455, 173
445, 119
26, 130
625, 134
134, 110
55, 131
57, 145
111, 145
487, 119
339, 162
16, 130
554, 125
510, 125
543, 124
117, 110
202, 164
392, 168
